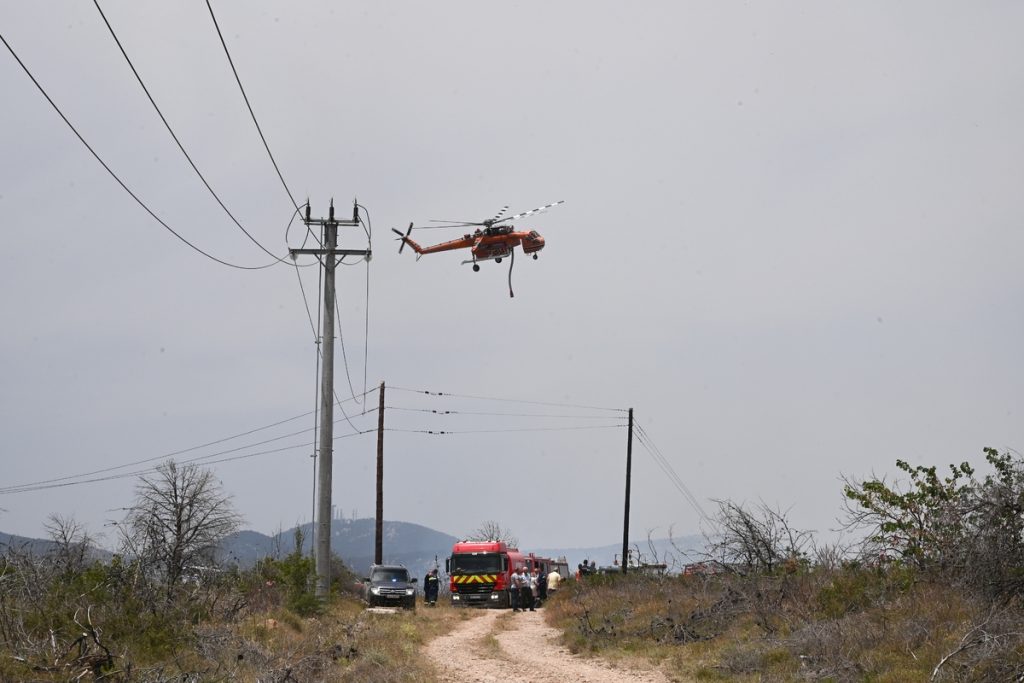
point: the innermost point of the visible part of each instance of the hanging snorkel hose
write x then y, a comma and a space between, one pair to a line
511, 262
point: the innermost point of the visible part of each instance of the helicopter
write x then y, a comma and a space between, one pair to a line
490, 241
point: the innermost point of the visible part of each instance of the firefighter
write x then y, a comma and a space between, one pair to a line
430, 586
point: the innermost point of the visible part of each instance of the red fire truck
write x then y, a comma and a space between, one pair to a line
479, 572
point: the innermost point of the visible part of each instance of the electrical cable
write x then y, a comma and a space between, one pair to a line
501, 431
319, 352
666, 466
368, 227
337, 308
175, 137
165, 456
508, 400
247, 104
151, 470
341, 340
305, 301
488, 414
116, 177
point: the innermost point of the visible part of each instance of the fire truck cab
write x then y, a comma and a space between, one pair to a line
479, 572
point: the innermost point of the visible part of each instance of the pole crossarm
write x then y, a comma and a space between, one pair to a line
338, 252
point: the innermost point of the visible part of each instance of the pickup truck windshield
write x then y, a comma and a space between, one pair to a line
476, 564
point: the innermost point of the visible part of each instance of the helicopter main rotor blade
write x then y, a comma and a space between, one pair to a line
499, 214
436, 220
531, 211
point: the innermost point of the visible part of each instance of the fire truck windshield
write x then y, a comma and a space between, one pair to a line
476, 564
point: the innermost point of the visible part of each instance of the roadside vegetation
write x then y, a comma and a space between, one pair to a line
933, 593
162, 609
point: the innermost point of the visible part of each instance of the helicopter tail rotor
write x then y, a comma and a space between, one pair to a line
402, 238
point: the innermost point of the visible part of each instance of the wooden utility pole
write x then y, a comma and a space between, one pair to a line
378, 548
629, 468
329, 254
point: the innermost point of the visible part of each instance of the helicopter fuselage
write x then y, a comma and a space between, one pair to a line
487, 244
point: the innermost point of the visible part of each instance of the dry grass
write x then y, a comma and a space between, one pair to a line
344, 644
841, 625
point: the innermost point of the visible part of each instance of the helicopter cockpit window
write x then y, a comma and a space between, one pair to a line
534, 234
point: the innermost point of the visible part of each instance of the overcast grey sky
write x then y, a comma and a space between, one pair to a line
791, 241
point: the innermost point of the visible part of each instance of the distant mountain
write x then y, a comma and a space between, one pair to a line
417, 546
412, 545
42, 546
36, 546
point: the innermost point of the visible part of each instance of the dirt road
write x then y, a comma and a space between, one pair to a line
501, 646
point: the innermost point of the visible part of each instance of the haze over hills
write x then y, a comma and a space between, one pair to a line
413, 545
418, 547
37, 546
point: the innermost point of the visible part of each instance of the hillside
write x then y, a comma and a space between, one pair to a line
37, 546
412, 545
417, 546
406, 543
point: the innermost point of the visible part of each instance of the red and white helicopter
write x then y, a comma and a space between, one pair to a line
491, 241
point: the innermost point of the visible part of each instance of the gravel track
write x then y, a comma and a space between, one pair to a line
502, 646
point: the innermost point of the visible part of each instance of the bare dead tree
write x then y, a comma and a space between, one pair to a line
492, 531
72, 544
757, 540
179, 517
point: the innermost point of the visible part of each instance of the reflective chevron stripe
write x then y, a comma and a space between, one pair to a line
474, 578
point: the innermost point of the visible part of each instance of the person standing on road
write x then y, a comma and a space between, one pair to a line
538, 587
515, 586
430, 586
525, 592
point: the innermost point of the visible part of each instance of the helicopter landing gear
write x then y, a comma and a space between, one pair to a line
476, 267
497, 260
534, 257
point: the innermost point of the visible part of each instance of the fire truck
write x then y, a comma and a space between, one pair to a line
480, 572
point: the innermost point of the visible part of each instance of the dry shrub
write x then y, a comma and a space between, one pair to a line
839, 624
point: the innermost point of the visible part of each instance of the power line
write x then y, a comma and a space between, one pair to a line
341, 340
490, 414
165, 456
666, 465
319, 353
175, 137
427, 392
366, 329
337, 308
247, 104
437, 432
659, 458
115, 176
151, 470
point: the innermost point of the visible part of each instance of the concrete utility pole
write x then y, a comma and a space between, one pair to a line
629, 468
378, 549
329, 252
